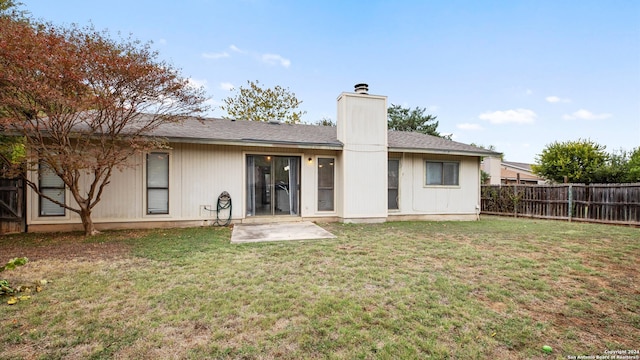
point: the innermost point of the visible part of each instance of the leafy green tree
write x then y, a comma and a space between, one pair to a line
406, 119
615, 169
620, 167
579, 161
490, 148
259, 104
633, 166
485, 177
12, 155
325, 121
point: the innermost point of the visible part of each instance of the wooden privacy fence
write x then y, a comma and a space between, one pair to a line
602, 203
11, 206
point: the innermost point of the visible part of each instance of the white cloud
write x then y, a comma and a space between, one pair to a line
555, 99
197, 83
226, 86
517, 116
271, 59
529, 92
274, 59
215, 56
469, 126
236, 49
583, 114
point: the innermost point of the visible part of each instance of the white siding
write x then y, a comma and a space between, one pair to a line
416, 198
203, 172
362, 169
364, 182
125, 188
198, 173
362, 119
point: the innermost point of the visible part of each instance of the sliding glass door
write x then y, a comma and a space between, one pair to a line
273, 185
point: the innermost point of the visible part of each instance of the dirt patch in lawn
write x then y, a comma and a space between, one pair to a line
66, 247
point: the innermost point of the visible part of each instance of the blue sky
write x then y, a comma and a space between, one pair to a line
514, 74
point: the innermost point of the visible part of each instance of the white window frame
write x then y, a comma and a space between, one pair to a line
41, 199
442, 174
147, 188
397, 188
303, 171
333, 188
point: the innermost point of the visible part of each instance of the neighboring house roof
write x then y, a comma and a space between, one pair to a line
509, 174
224, 131
511, 170
518, 165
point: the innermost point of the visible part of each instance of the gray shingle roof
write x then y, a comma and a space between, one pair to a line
418, 142
309, 136
248, 132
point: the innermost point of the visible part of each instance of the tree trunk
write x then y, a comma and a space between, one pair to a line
87, 222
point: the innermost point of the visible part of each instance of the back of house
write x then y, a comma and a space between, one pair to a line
357, 171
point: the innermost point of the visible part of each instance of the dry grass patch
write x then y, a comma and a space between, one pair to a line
497, 288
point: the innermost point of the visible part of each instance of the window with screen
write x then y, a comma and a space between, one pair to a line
52, 186
442, 173
157, 183
393, 183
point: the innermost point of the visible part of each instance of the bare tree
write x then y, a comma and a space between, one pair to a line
84, 104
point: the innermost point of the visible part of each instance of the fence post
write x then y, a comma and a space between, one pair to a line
570, 197
588, 199
515, 200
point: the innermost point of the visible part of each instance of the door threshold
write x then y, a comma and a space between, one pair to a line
271, 219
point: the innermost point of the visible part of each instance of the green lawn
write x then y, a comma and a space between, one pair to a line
498, 288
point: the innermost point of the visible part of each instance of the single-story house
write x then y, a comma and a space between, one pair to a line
509, 172
357, 171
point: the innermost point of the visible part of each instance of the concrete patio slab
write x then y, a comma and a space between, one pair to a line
303, 230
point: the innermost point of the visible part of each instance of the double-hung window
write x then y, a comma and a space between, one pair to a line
157, 183
442, 173
326, 176
52, 186
393, 183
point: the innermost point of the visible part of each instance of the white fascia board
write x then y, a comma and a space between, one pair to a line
257, 143
440, 152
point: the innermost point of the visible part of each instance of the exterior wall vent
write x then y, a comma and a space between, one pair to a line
362, 88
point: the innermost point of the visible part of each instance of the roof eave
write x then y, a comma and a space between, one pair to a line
442, 152
256, 142
517, 168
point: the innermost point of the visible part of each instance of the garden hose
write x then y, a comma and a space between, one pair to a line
224, 203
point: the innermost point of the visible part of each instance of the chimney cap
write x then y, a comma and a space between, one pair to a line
361, 88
